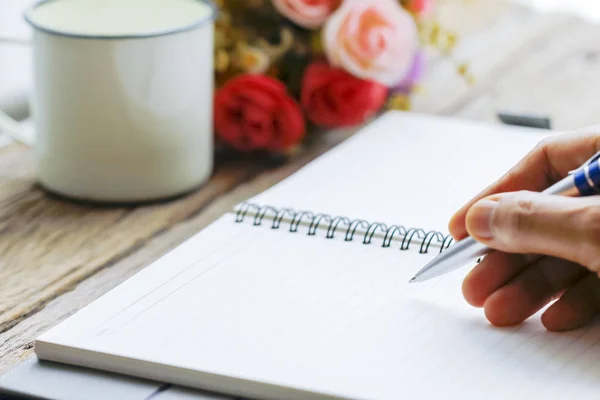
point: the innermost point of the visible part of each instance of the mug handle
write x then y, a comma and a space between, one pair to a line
14, 130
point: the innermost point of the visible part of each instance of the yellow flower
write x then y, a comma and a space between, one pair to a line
276, 51
222, 61
451, 40
465, 72
316, 42
254, 60
399, 102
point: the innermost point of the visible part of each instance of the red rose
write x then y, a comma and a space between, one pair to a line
419, 6
333, 98
254, 112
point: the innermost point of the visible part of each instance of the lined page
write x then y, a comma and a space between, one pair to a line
325, 318
407, 169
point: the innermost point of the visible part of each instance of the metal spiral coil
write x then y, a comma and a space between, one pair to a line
343, 225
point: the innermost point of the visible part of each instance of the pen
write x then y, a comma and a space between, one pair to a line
584, 181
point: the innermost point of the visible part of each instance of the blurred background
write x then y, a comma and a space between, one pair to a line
587, 9
466, 17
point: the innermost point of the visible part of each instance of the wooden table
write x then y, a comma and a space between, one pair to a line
56, 257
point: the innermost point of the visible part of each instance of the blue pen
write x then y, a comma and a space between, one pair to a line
584, 181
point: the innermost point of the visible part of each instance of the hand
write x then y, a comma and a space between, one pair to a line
545, 247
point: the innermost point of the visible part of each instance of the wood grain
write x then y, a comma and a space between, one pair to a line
560, 77
16, 343
48, 245
491, 51
56, 257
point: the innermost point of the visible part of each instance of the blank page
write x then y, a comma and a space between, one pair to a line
408, 169
251, 311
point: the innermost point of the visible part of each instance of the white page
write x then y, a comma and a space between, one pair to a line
275, 309
407, 169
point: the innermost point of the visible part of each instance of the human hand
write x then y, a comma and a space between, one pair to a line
545, 247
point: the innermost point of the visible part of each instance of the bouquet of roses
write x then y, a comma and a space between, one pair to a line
284, 66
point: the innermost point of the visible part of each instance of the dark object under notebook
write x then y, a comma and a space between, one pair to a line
530, 121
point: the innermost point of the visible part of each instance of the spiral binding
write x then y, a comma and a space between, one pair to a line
344, 225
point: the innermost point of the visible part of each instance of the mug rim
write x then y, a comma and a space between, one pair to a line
57, 32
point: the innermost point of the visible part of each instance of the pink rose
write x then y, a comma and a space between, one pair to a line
309, 14
372, 39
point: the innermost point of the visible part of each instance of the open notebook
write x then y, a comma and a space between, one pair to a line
302, 292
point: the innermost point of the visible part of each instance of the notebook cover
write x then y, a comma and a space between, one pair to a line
34, 379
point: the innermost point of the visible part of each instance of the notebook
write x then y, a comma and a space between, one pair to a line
302, 291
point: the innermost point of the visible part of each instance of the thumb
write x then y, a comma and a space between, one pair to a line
536, 223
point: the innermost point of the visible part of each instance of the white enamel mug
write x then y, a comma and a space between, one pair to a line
122, 97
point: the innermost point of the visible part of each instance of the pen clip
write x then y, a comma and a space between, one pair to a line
594, 158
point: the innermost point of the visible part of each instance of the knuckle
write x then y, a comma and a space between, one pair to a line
547, 143
516, 216
593, 265
589, 218
522, 210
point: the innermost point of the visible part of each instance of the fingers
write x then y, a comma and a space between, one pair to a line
534, 223
531, 290
577, 307
549, 162
532, 173
494, 271
512, 288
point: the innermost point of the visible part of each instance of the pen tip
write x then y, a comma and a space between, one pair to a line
413, 280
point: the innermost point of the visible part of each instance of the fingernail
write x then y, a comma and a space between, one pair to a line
479, 219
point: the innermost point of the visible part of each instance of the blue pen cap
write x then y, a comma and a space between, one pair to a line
587, 178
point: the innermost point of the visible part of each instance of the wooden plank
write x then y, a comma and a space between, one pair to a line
48, 245
15, 81
491, 48
43, 286
559, 78
111, 229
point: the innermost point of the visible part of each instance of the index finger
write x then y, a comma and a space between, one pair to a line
546, 164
